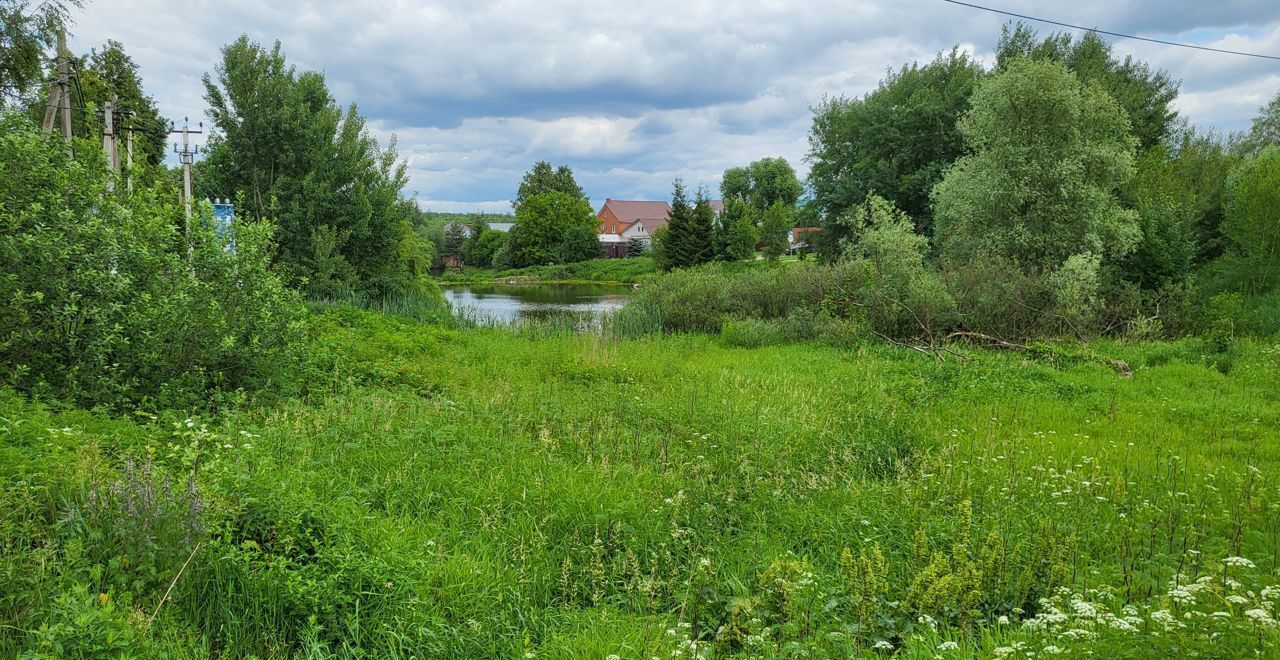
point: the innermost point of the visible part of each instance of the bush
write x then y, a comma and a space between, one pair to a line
104, 301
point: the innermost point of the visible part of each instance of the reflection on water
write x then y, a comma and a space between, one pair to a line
508, 303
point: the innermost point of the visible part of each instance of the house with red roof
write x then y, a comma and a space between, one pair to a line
622, 220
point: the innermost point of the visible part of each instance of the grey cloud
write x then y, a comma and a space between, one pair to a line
633, 95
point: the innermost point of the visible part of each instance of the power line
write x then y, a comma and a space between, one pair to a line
1114, 34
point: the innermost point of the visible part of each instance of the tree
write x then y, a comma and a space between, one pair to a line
102, 302
298, 157
636, 247
108, 72
905, 296
1266, 127
774, 230
543, 179
688, 237
1166, 209
1146, 96
455, 236
739, 229
483, 246
25, 35
581, 242
1048, 155
1252, 221
895, 142
762, 184
543, 222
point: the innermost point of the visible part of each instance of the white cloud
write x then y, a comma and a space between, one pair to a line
632, 95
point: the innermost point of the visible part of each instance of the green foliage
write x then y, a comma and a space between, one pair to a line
1048, 155
296, 156
1167, 208
774, 229
905, 296
896, 142
688, 237
543, 179
26, 32
549, 229
762, 184
739, 232
482, 247
1145, 95
636, 247
751, 333
1265, 131
100, 302
580, 243
1252, 222
111, 72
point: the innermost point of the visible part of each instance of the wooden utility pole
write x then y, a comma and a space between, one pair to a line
60, 91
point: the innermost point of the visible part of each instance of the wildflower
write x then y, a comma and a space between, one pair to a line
1052, 650
1237, 599
1221, 615
1260, 617
1238, 561
613, 656
948, 646
882, 645
1003, 620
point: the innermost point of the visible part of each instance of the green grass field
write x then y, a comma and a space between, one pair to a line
473, 493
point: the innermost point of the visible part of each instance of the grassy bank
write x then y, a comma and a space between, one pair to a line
472, 493
615, 271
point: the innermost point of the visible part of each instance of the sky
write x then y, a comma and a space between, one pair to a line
634, 95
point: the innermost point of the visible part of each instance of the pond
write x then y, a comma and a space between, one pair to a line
509, 303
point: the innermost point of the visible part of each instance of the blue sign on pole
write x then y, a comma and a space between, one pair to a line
224, 215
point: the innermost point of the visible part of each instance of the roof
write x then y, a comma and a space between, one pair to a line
629, 211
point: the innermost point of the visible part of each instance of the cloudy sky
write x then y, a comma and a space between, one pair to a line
633, 95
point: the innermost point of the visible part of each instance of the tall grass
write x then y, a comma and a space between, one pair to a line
484, 492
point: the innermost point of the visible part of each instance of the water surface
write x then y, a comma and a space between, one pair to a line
508, 303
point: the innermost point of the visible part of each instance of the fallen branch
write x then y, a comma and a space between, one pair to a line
990, 340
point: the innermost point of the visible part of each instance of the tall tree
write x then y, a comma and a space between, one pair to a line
297, 156
896, 142
1266, 127
738, 233
1146, 95
1252, 221
26, 34
543, 223
762, 184
110, 72
688, 237
774, 230
543, 179
1048, 155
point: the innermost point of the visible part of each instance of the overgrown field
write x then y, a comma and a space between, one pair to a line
473, 493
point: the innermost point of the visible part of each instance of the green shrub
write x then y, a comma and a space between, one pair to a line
104, 301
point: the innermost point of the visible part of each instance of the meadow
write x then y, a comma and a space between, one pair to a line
445, 492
